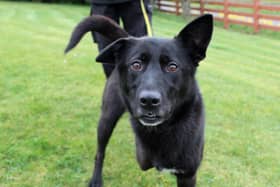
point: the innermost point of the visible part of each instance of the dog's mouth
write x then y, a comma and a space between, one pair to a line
151, 120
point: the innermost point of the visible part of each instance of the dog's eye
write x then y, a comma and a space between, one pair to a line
136, 66
172, 67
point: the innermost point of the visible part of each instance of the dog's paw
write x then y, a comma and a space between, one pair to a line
95, 183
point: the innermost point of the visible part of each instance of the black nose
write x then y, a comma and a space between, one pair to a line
149, 98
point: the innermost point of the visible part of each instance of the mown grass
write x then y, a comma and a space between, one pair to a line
49, 105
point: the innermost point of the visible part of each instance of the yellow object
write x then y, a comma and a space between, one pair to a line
146, 18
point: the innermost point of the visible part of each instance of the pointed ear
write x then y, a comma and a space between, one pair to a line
196, 36
111, 52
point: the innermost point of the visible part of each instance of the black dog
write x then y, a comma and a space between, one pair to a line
154, 79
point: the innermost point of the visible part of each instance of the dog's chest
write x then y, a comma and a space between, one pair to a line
169, 164
168, 151
170, 158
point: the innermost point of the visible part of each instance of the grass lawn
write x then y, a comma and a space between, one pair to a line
50, 104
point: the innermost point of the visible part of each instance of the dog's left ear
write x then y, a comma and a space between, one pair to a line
196, 37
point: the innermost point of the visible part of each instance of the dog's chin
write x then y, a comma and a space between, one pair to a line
151, 122
151, 118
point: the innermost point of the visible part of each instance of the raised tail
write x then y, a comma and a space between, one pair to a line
101, 24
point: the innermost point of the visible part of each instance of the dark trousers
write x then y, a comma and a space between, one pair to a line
132, 17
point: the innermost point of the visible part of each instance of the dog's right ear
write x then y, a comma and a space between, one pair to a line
112, 52
196, 36
101, 24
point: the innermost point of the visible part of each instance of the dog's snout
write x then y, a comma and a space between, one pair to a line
149, 98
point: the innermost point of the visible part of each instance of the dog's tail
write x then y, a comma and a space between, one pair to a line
100, 24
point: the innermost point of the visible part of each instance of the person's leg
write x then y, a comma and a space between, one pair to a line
136, 16
108, 11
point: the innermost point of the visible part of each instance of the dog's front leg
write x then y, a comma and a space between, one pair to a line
112, 109
185, 181
105, 129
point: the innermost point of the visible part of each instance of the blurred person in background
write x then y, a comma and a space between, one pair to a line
136, 17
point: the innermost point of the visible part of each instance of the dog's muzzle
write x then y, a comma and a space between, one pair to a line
150, 103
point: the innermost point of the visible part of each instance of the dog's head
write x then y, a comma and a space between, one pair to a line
158, 75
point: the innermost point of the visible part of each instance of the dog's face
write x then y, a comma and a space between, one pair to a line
156, 75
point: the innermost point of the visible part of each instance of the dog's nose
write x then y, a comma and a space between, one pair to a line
149, 98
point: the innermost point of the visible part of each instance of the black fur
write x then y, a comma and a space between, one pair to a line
154, 80
98, 23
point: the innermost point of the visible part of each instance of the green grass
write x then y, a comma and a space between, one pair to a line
50, 104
